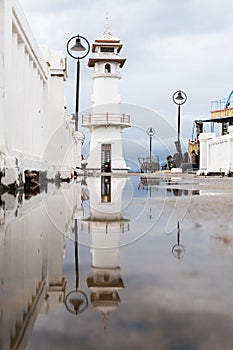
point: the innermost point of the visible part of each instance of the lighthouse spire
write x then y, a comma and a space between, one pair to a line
107, 26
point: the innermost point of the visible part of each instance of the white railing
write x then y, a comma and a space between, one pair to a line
105, 118
216, 153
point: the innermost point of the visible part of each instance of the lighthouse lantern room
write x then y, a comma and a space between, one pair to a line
106, 122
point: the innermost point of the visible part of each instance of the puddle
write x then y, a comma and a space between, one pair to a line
117, 262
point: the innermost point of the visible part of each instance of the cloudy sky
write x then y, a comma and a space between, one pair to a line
169, 45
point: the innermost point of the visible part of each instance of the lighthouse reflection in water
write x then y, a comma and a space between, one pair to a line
106, 224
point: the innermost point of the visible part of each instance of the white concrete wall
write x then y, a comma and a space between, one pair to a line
4, 63
31, 101
216, 153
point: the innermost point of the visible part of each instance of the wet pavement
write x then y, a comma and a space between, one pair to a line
118, 262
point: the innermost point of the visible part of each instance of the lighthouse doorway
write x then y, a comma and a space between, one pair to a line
106, 158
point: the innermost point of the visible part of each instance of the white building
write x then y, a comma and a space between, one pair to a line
106, 122
35, 133
216, 153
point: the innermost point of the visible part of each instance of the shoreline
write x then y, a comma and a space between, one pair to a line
181, 180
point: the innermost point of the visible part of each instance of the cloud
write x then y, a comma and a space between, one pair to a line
169, 45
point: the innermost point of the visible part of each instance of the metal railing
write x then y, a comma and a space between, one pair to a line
226, 112
105, 118
221, 108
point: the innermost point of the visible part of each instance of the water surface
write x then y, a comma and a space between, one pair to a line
111, 262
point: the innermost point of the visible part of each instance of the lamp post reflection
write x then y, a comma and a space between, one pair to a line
178, 249
76, 300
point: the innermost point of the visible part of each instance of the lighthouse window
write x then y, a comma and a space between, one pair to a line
107, 68
107, 49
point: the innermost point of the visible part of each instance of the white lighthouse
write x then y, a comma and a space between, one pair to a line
106, 122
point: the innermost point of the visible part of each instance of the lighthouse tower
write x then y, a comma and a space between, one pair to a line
106, 122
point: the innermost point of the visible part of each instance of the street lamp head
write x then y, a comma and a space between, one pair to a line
78, 46
179, 97
78, 52
76, 301
150, 131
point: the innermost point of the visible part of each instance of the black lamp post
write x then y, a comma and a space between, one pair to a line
179, 98
77, 47
150, 132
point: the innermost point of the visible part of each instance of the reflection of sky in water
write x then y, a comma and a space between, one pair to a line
143, 205
163, 303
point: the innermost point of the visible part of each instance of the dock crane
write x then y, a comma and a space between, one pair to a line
229, 100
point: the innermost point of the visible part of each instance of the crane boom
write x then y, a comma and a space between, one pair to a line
229, 99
